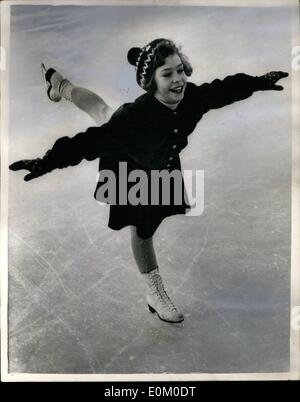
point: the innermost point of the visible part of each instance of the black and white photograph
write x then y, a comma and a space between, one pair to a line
149, 190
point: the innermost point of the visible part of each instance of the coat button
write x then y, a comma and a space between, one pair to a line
175, 113
171, 157
168, 165
175, 130
174, 146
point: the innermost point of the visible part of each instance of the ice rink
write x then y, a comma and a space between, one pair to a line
76, 299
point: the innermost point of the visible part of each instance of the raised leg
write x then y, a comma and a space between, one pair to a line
92, 104
59, 87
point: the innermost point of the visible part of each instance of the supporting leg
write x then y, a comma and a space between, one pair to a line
157, 297
143, 252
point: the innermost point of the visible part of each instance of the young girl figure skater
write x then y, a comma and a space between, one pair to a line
148, 134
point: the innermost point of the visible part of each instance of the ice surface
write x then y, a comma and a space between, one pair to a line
76, 300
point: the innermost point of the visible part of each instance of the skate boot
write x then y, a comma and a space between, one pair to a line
158, 299
57, 86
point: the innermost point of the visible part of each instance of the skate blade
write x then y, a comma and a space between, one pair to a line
178, 323
44, 71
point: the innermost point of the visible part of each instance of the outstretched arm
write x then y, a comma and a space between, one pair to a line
235, 88
91, 144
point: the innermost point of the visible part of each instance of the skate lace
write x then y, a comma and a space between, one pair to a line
159, 290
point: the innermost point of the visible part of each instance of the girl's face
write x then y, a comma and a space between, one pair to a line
170, 80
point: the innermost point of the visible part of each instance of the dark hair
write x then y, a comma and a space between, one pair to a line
164, 49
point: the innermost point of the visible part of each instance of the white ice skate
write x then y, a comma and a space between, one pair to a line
57, 86
159, 301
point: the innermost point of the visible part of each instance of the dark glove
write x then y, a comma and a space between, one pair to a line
268, 81
37, 167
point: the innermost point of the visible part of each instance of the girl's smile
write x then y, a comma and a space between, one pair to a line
170, 81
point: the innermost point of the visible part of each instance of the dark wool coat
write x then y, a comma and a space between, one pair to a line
149, 136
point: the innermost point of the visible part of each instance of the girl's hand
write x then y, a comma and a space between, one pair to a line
36, 167
269, 80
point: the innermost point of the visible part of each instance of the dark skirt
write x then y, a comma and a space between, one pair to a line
146, 218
